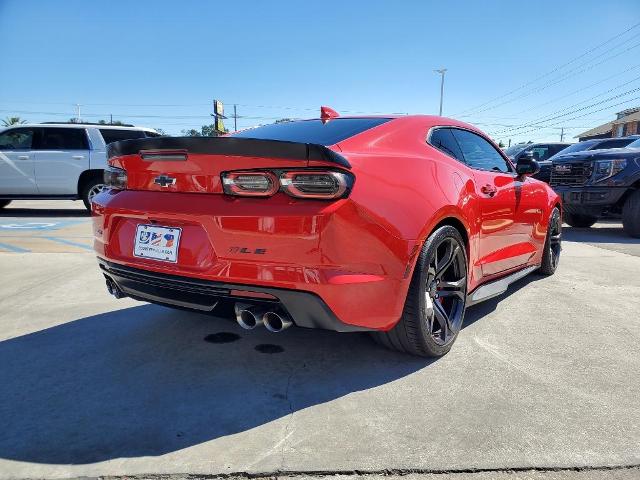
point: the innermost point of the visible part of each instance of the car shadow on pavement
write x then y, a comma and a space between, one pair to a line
143, 381
44, 212
613, 234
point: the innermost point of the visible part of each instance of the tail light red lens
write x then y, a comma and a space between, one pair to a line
314, 184
304, 184
250, 184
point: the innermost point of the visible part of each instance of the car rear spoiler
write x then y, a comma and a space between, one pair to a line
244, 147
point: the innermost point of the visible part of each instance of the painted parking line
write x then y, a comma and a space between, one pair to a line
69, 242
13, 248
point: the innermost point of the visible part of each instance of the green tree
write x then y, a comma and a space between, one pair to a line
191, 133
7, 122
115, 122
209, 131
205, 131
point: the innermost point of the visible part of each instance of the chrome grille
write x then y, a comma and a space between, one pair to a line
570, 173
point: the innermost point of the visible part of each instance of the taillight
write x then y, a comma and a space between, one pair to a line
313, 184
115, 178
252, 184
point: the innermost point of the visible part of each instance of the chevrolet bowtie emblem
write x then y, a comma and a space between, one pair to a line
164, 181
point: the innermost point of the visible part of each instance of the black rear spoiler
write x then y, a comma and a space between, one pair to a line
244, 147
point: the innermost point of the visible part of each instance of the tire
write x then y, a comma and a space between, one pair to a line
578, 220
91, 188
4, 203
434, 309
631, 215
552, 244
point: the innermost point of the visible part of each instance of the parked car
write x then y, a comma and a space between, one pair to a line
392, 225
596, 144
541, 152
596, 182
57, 161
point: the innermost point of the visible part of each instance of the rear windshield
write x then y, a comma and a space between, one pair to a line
114, 135
313, 131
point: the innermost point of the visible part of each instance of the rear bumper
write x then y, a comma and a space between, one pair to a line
307, 309
330, 265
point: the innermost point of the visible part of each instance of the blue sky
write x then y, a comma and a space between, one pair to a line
160, 63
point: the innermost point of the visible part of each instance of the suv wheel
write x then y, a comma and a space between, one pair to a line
578, 220
435, 305
631, 215
552, 245
90, 189
4, 203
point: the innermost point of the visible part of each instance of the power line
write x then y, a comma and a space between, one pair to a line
581, 116
559, 80
551, 117
551, 72
577, 91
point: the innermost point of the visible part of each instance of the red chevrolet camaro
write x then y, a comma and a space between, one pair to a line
392, 225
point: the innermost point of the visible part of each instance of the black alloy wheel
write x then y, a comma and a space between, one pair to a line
445, 291
434, 308
552, 244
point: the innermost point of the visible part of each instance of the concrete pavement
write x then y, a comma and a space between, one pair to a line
545, 377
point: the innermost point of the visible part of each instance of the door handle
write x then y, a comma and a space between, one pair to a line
78, 157
489, 190
23, 157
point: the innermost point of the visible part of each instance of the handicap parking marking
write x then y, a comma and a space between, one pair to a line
28, 225
39, 225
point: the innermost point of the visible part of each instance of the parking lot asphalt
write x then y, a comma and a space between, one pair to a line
545, 377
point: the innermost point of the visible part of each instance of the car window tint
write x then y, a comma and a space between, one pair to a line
64, 139
114, 135
443, 140
479, 153
17, 139
540, 152
313, 131
553, 149
614, 144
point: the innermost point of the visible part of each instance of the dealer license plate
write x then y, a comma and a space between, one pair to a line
157, 243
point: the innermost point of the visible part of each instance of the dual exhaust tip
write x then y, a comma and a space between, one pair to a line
248, 316
252, 316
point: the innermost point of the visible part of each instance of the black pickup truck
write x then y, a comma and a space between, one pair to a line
593, 183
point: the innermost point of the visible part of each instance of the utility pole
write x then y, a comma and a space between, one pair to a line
111, 119
441, 72
78, 112
562, 134
235, 118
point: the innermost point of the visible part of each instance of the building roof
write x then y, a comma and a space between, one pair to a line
596, 131
628, 115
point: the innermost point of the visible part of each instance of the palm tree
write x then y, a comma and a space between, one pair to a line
7, 122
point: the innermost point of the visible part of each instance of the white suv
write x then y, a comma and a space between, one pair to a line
57, 161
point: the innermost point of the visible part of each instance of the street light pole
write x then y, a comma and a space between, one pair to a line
441, 72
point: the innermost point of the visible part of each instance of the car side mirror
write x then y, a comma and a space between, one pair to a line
527, 166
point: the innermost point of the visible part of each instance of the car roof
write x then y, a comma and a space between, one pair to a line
80, 125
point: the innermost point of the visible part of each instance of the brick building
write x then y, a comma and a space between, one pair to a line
626, 123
